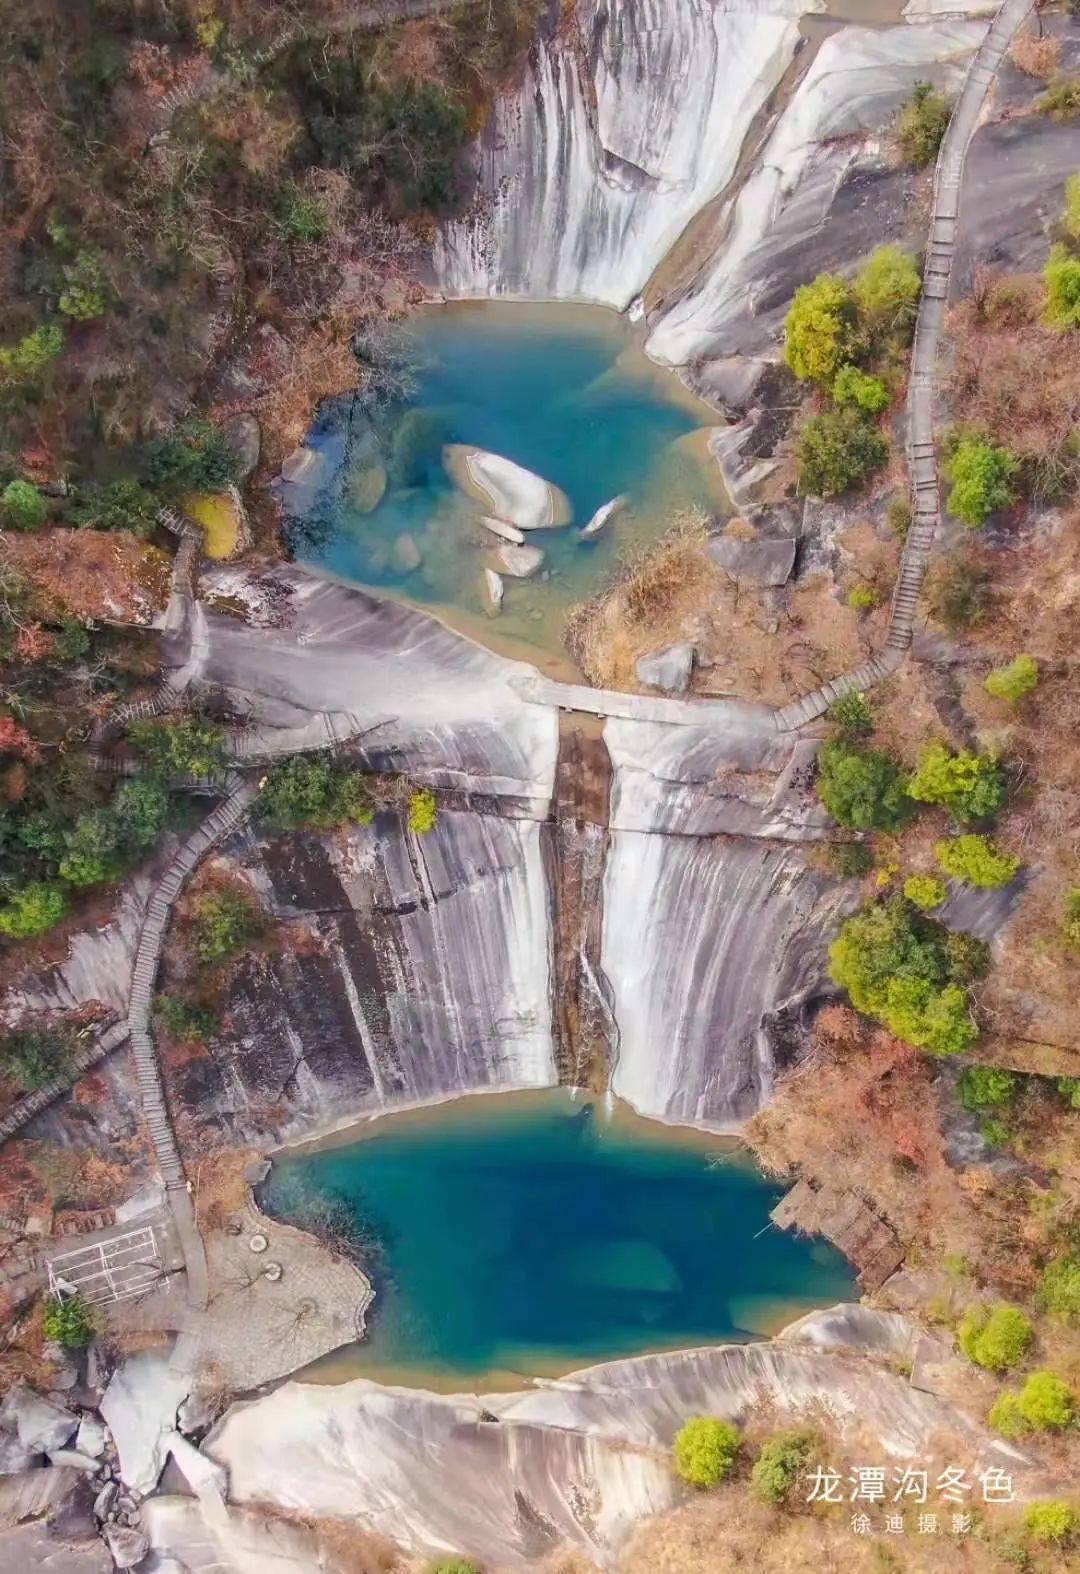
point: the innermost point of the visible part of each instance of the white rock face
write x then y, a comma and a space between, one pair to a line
859, 77
575, 1461
668, 669
493, 589
511, 492
617, 137
139, 1407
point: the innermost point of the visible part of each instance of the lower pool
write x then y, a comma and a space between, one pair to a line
534, 1233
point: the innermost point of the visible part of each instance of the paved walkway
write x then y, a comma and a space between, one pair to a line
922, 461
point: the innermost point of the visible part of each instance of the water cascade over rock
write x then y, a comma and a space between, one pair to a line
626, 124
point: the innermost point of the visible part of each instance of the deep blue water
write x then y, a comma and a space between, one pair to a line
560, 390
524, 1233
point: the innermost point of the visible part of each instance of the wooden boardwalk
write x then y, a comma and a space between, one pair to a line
921, 455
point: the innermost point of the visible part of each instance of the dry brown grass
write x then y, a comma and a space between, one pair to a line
1034, 56
726, 1530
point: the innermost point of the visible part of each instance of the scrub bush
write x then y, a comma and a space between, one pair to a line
887, 290
188, 747
25, 361
996, 1338
1051, 1523
704, 1451
24, 505
820, 329
223, 924
980, 474
850, 859
779, 1465
1070, 215
852, 714
69, 1321
861, 787
896, 966
862, 597
34, 1056
31, 910
1061, 276
1013, 681
1046, 1403
968, 785
1058, 1291
1061, 101
859, 390
452, 1566
922, 125
194, 458
976, 861
1070, 922
121, 505
924, 891
184, 1020
309, 790
987, 1087
422, 811
838, 450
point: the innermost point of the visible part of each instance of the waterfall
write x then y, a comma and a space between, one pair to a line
621, 131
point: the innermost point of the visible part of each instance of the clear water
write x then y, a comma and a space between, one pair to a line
562, 390
530, 1234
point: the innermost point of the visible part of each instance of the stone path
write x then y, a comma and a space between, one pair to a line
922, 461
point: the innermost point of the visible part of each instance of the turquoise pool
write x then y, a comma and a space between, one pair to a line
532, 1233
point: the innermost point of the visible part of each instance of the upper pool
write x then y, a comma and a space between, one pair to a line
534, 1233
564, 391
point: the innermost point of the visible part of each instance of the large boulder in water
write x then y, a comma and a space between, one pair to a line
506, 489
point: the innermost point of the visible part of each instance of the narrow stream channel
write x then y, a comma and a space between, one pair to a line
533, 1233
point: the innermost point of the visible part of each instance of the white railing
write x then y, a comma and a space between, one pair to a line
109, 1270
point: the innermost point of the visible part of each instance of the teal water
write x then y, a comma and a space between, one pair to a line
562, 390
530, 1234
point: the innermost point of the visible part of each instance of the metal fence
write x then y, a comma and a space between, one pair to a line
110, 1270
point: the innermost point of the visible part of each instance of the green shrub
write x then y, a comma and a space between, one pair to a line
1061, 276
1058, 1291
1070, 214
780, 1464
820, 329
422, 811
34, 1056
224, 922
852, 714
1070, 921
32, 910
896, 966
194, 458
859, 391
304, 217
1061, 101
1051, 1523
924, 891
1069, 1088
862, 597
122, 505
307, 789
704, 1450
898, 514
1012, 682
69, 1321
922, 125
140, 810
994, 1132
981, 475
861, 787
987, 1087
186, 1021
1005, 1417
452, 1566
996, 1338
23, 505
850, 859
82, 297
1046, 1403
969, 786
25, 361
838, 450
887, 290
92, 854
976, 861
188, 747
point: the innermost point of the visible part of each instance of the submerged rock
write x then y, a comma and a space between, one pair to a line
506, 489
668, 669
493, 589
505, 532
519, 562
603, 514
405, 553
